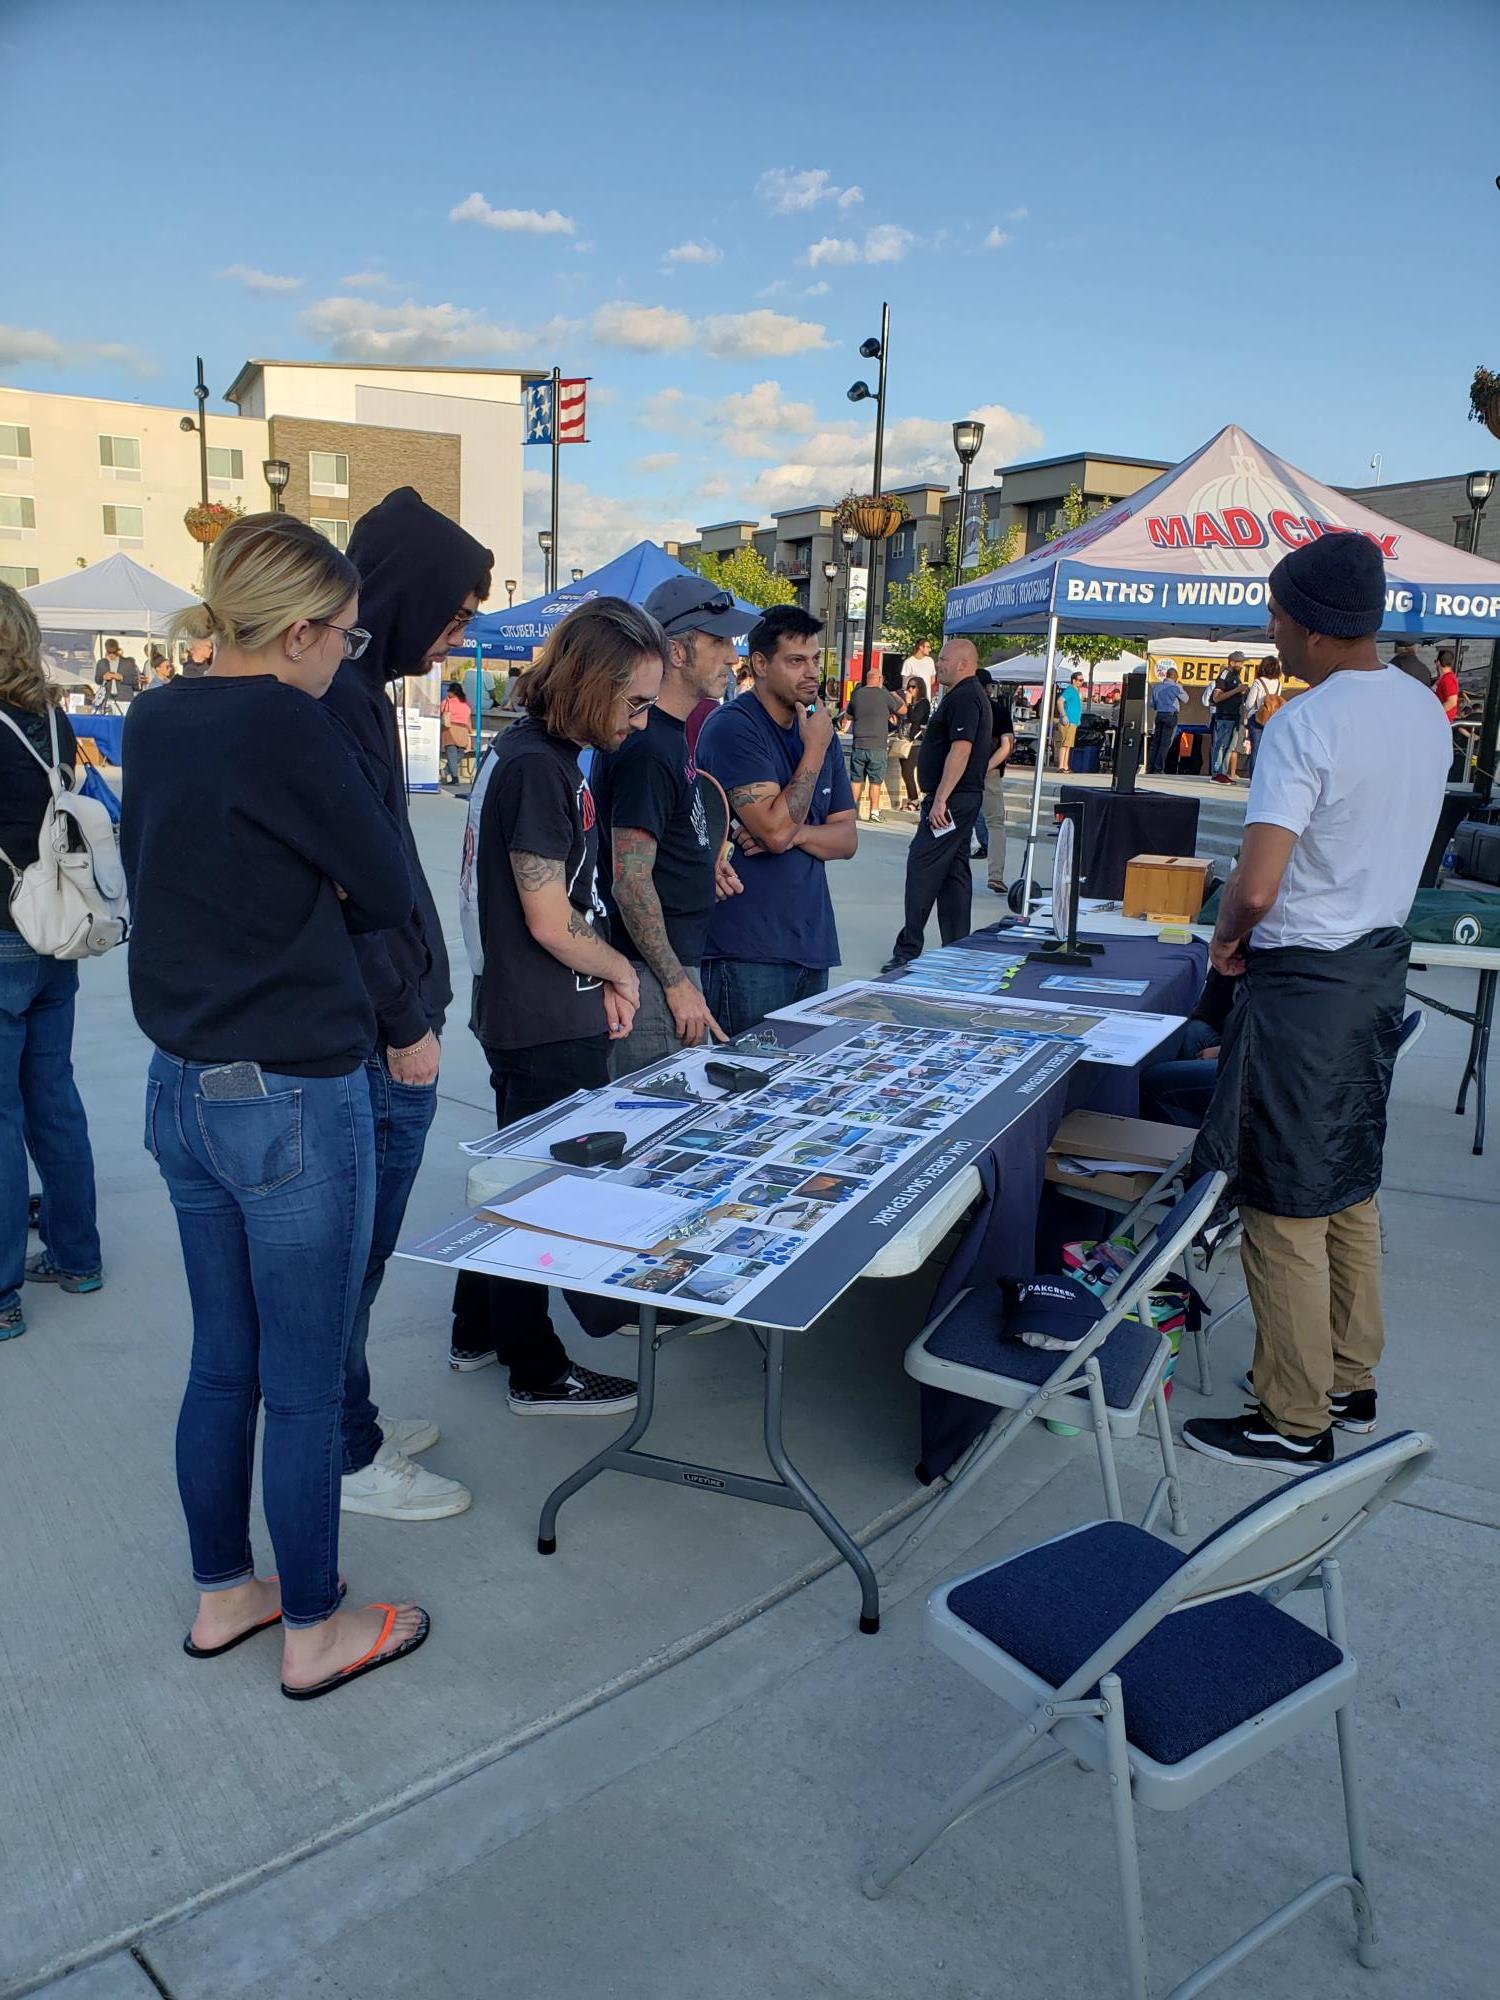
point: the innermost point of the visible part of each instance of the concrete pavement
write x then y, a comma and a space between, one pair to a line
652, 1764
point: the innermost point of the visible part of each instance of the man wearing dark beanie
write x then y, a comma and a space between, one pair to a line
1343, 804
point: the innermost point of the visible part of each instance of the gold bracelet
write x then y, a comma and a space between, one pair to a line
395, 1055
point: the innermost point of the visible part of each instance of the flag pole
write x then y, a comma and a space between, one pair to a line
552, 560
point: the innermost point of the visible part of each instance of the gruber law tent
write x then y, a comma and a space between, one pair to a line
117, 597
515, 634
1192, 553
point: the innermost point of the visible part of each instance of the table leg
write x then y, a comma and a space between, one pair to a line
1484, 1019
616, 1452
843, 1541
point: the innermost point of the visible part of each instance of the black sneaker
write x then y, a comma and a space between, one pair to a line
1353, 1409
579, 1393
897, 964
1250, 1440
466, 1359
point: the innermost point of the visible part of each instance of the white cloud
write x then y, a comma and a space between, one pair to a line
997, 239
836, 458
791, 190
364, 281
666, 410
775, 290
643, 329
592, 527
657, 461
20, 344
744, 336
360, 330
693, 252
713, 488
886, 243
521, 221
816, 291
752, 423
259, 281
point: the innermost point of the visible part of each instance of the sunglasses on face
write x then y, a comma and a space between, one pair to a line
355, 637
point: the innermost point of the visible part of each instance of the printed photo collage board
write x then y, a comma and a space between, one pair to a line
779, 1197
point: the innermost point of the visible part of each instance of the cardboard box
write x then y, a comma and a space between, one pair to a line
1169, 886
1098, 1135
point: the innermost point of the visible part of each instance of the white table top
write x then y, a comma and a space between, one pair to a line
1463, 957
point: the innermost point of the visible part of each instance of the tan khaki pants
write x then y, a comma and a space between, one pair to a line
994, 814
1315, 1289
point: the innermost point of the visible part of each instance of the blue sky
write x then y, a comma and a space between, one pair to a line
1115, 227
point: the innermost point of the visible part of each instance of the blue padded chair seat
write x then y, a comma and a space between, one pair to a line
1201, 1672
972, 1335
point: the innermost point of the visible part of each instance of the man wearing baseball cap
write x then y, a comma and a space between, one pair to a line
659, 860
1343, 803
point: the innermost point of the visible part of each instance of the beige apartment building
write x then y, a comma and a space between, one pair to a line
83, 477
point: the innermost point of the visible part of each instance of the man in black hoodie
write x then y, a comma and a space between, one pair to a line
421, 579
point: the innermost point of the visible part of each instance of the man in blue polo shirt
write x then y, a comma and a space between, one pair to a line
773, 751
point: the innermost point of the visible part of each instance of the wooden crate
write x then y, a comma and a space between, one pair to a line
1166, 885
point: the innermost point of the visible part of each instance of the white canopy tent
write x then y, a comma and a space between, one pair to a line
116, 598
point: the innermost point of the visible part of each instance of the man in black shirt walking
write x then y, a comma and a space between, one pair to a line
950, 771
658, 858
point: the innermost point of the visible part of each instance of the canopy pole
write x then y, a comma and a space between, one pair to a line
1049, 679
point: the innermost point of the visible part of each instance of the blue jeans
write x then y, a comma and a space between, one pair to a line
275, 1201
741, 991
1179, 1092
1224, 740
41, 1113
403, 1114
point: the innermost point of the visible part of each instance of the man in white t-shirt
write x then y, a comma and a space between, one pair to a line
918, 666
1343, 805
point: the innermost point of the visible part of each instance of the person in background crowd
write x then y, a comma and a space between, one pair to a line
116, 677
872, 710
1226, 707
1445, 687
243, 973
40, 1108
457, 720
744, 678
200, 656
1410, 661
1167, 696
1267, 697
1340, 818
422, 578
1067, 713
918, 666
162, 671
658, 859
1179, 1092
773, 750
550, 991
992, 813
918, 715
951, 769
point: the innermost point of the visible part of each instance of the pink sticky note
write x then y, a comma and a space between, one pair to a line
545, 1258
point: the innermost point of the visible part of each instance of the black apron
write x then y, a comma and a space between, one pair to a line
1297, 1120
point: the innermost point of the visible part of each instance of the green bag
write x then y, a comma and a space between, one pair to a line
1455, 916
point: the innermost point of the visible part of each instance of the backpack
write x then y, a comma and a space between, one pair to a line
1268, 705
70, 902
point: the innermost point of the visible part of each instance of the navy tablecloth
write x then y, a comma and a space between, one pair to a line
1014, 1230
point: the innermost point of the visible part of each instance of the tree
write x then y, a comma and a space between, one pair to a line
745, 572
914, 609
1092, 648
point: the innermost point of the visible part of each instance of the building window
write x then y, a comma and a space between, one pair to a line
121, 455
17, 577
336, 531
328, 474
15, 441
225, 462
17, 510
125, 523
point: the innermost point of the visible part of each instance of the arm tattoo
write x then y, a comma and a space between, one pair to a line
639, 904
535, 871
579, 925
798, 796
752, 795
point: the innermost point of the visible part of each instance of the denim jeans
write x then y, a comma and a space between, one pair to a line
41, 1113
509, 1315
1257, 730
741, 991
1179, 1092
452, 761
1225, 734
403, 1114
275, 1201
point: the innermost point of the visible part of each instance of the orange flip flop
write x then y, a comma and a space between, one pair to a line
367, 1663
266, 1624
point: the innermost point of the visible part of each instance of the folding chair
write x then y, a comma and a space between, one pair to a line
1105, 1383
1168, 1674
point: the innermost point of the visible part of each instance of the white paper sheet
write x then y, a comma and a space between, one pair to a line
639, 1117
595, 1210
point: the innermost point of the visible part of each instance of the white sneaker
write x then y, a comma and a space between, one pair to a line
409, 1434
395, 1488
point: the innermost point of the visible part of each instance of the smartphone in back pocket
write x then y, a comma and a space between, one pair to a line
232, 1080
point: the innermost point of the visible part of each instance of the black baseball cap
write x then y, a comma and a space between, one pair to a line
693, 604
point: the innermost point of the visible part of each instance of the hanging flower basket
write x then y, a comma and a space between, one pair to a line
874, 516
1484, 400
207, 523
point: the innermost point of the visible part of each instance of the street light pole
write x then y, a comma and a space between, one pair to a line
875, 350
967, 438
201, 394
1480, 486
849, 538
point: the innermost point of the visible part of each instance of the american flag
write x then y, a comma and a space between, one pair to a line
536, 391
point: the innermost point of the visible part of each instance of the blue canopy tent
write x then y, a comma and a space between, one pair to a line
1192, 552
515, 633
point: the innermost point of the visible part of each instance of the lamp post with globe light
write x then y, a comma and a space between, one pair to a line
1479, 486
968, 436
544, 543
860, 392
276, 473
849, 536
510, 592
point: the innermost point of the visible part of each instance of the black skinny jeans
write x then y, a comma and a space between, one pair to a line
507, 1314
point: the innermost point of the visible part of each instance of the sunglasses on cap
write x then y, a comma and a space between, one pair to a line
711, 607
